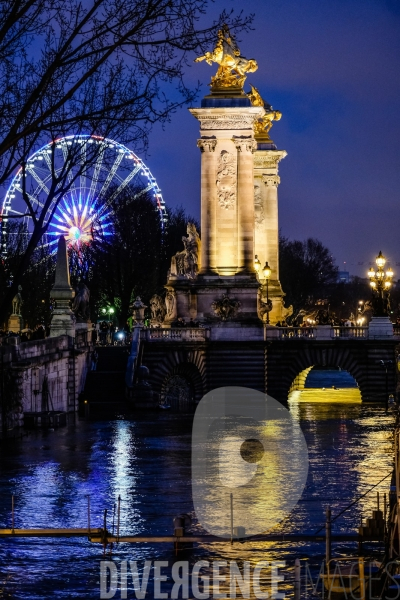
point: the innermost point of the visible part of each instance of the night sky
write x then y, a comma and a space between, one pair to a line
333, 69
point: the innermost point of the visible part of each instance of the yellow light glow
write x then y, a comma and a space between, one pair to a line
380, 260
257, 264
389, 273
387, 284
267, 271
373, 284
371, 273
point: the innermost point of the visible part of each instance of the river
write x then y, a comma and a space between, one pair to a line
147, 461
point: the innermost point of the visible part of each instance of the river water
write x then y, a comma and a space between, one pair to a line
147, 461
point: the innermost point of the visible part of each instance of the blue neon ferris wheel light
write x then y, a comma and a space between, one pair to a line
84, 213
80, 222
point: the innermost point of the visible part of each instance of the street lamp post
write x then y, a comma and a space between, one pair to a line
267, 275
380, 283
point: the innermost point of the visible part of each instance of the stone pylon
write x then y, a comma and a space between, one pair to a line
63, 319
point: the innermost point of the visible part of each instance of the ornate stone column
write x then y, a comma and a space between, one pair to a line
208, 221
245, 204
266, 181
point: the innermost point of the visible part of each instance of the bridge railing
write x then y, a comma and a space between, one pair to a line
283, 333
175, 334
350, 332
317, 333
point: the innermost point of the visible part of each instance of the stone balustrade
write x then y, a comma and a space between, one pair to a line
176, 334
317, 333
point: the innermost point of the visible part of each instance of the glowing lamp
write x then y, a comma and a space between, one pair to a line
111, 311
373, 284
267, 271
389, 273
387, 284
257, 264
371, 273
380, 260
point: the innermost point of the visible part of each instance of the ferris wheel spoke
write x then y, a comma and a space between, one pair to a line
143, 191
96, 172
111, 174
33, 199
123, 185
70, 176
38, 179
82, 169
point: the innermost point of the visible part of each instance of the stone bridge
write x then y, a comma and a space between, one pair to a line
41, 376
274, 364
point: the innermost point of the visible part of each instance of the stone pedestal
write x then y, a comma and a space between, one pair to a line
380, 327
63, 319
15, 323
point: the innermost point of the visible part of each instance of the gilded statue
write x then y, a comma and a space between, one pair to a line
232, 66
263, 125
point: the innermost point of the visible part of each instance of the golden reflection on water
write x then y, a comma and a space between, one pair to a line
350, 451
351, 395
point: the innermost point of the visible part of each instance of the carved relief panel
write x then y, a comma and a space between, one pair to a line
226, 179
259, 215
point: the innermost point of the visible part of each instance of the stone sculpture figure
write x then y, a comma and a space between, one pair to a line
225, 308
186, 263
265, 307
17, 302
158, 310
80, 306
170, 301
232, 66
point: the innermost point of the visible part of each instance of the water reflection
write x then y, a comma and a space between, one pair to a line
147, 462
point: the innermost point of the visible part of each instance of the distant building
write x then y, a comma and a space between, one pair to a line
343, 277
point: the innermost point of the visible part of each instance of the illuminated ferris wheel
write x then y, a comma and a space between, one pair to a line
99, 171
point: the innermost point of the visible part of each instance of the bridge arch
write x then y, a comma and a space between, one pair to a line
341, 356
172, 369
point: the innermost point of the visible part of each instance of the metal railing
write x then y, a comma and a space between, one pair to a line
175, 334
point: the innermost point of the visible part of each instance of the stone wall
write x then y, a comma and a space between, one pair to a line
24, 368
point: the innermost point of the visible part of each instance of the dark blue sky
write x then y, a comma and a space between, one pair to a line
333, 69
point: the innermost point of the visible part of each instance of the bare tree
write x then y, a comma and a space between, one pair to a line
106, 67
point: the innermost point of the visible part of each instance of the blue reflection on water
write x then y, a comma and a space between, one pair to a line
147, 462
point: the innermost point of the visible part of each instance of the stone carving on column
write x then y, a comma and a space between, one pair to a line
226, 307
207, 144
170, 305
186, 263
270, 160
245, 145
158, 309
271, 180
226, 180
258, 206
222, 122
